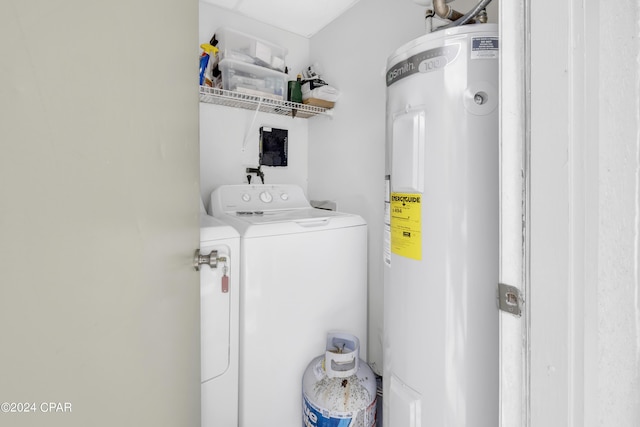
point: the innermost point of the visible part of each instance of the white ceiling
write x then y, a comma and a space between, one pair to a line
303, 17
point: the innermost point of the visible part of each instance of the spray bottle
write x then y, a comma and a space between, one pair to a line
206, 64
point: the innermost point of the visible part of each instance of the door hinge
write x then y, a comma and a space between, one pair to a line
509, 299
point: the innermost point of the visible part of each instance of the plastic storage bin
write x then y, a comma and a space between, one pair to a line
239, 46
252, 79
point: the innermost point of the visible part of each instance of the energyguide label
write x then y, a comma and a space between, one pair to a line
406, 225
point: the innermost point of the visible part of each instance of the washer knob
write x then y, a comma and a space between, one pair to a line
266, 197
246, 197
284, 196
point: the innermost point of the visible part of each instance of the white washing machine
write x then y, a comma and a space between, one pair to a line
303, 274
219, 314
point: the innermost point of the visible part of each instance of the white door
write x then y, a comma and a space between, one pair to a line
99, 304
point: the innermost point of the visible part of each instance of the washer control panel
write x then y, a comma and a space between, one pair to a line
258, 197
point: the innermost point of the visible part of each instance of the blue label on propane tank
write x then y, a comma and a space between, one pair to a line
315, 417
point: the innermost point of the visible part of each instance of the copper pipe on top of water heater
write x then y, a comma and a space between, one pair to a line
444, 11
468, 18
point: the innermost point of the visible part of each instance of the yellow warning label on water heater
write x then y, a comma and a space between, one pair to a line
406, 225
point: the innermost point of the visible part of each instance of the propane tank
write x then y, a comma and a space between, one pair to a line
339, 389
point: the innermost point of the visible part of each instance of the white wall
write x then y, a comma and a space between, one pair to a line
618, 298
584, 214
347, 154
229, 136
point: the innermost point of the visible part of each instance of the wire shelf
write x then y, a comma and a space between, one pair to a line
229, 98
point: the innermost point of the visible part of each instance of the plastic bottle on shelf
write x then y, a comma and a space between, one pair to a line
295, 90
207, 64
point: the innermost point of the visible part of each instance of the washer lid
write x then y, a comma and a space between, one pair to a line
274, 223
213, 229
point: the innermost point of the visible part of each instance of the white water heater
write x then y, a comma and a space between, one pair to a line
441, 231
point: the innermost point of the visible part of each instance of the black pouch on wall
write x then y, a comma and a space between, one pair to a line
273, 146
